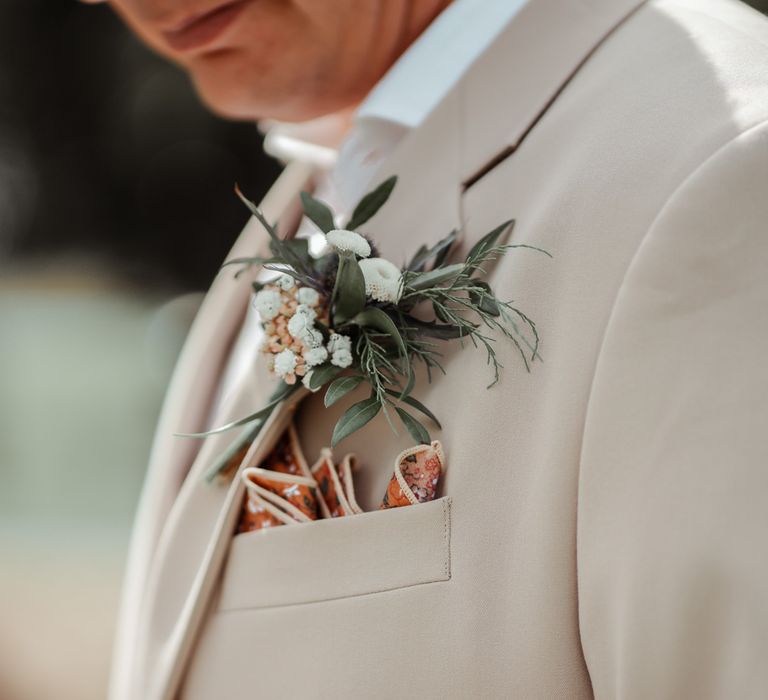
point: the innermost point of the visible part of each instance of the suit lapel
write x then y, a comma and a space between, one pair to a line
486, 117
511, 86
186, 410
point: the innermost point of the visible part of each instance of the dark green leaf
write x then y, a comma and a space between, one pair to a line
277, 245
417, 431
354, 418
440, 313
340, 387
317, 212
442, 331
439, 252
484, 299
322, 375
415, 403
300, 247
349, 292
374, 317
371, 203
496, 237
417, 261
424, 280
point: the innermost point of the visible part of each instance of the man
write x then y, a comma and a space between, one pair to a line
604, 516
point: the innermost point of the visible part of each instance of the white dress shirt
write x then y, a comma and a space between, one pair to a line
350, 150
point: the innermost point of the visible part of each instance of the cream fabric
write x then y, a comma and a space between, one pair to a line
604, 532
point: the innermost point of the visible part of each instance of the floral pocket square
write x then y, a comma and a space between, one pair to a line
283, 490
417, 476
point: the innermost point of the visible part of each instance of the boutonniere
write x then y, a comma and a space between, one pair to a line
347, 317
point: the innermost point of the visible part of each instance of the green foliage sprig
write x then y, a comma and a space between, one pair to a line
437, 301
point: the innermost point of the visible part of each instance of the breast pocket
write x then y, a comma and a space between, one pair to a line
338, 558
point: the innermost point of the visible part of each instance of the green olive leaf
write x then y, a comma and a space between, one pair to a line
348, 297
498, 236
317, 212
373, 317
371, 203
354, 418
323, 374
415, 403
424, 280
281, 393
417, 431
340, 387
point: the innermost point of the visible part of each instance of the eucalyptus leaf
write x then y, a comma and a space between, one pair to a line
349, 292
371, 203
317, 212
415, 403
373, 317
354, 418
340, 387
417, 431
323, 374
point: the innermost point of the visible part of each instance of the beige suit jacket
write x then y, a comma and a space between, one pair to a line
602, 531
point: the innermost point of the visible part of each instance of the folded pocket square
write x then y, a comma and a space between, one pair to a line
417, 476
283, 490
337, 491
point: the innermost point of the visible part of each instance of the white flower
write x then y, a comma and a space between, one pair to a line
339, 342
313, 338
285, 363
340, 348
342, 358
315, 356
308, 296
300, 324
383, 280
285, 282
349, 240
307, 311
268, 303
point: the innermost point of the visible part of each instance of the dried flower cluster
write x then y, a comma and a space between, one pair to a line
292, 340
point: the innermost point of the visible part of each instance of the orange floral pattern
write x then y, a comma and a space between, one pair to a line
295, 497
284, 490
416, 478
330, 489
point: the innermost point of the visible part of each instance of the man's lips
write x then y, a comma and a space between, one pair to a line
201, 30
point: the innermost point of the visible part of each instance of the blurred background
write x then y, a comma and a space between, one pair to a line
116, 209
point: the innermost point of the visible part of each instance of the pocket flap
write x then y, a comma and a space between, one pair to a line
337, 558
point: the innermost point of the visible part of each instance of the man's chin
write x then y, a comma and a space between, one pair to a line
228, 98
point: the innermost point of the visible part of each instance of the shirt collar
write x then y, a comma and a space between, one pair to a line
410, 90
427, 71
